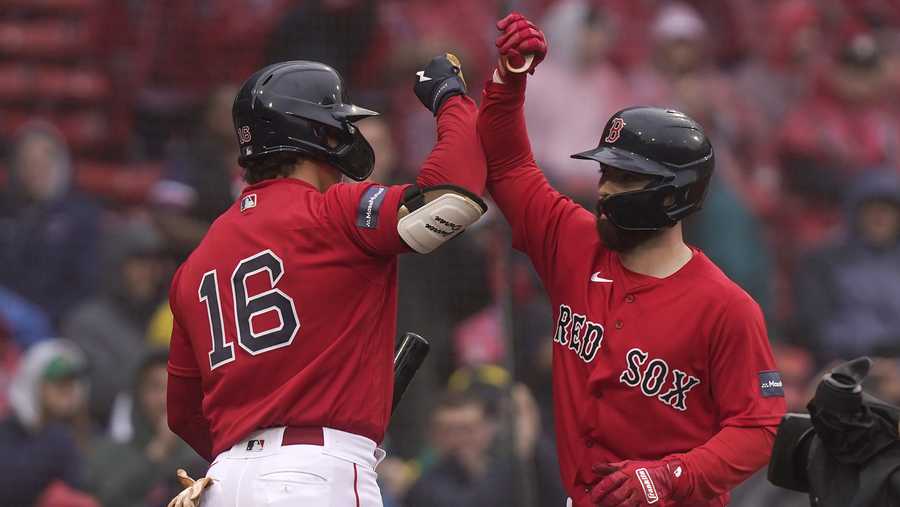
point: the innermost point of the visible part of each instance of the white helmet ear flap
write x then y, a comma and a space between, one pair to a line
430, 217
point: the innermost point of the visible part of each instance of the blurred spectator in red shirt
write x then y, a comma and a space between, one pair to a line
843, 129
201, 179
875, 13
574, 94
48, 232
728, 27
59, 494
681, 74
781, 73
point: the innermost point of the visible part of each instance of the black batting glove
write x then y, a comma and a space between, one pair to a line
441, 79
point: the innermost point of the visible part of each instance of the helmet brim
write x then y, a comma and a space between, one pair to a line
625, 160
335, 116
351, 113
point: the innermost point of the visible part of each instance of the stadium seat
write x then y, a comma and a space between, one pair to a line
50, 5
118, 182
52, 38
14, 83
57, 83
84, 130
47, 83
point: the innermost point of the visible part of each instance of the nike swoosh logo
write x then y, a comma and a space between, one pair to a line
422, 76
597, 278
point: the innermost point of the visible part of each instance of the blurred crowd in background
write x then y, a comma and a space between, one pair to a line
118, 152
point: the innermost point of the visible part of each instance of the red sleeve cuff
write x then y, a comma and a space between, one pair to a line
456, 101
753, 421
723, 462
509, 88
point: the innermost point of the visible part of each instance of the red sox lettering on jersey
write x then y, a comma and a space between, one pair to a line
652, 376
666, 362
577, 333
584, 338
643, 367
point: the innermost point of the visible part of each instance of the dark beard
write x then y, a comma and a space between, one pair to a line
620, 240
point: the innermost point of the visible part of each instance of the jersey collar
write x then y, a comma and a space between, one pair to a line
276, 181
638, 281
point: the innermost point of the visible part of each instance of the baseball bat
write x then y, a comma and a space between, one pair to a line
409, 356
522, 68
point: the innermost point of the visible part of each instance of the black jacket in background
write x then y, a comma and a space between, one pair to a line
29, 462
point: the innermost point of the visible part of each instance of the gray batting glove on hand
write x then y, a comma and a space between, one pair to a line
193, 490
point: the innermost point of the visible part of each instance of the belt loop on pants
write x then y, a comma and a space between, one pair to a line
294, 435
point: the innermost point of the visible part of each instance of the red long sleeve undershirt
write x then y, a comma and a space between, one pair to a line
184, 397
724, 461
457, 159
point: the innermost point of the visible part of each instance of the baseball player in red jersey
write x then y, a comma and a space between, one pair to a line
665, 388
280, 368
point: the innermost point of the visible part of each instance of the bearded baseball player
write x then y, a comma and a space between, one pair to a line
664, 384
280, 369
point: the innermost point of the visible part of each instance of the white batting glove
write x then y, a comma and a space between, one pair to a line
190, 496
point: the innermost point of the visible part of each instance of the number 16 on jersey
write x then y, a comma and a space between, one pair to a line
247, 307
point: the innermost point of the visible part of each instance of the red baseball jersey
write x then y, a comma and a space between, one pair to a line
287, 308
643, 367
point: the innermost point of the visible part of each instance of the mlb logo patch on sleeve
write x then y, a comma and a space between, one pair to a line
370, 207
248, 202
770, 384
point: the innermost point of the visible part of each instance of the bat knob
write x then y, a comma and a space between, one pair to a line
520, 69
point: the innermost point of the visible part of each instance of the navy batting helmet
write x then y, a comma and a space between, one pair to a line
301, 107
666, 145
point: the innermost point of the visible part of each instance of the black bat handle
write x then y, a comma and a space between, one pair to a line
407, 360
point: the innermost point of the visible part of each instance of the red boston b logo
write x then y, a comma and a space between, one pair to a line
615, 130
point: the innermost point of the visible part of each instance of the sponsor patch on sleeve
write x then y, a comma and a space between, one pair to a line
370, 207
770, 384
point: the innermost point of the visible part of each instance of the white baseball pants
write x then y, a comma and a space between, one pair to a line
259, 471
